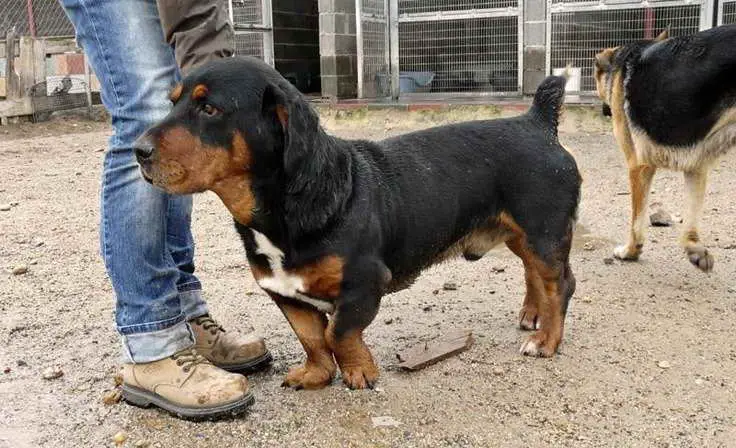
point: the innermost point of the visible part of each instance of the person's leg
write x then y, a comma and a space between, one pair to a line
145, 237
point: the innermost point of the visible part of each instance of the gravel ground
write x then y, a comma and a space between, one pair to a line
648, 358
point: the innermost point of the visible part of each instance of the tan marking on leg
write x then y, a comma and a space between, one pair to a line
309, 326
353, 356
695, 185
322, 278
545, 341
640, 180
529, 314
176, 93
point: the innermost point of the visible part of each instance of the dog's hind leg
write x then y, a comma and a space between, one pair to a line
695, 184
309, 326
529, 314
640, 180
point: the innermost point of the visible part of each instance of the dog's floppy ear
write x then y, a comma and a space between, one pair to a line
665, 34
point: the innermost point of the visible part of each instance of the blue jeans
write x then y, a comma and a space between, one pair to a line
145, 234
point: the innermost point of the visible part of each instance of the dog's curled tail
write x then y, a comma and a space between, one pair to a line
548, 100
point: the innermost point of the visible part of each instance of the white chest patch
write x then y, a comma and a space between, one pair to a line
281, 282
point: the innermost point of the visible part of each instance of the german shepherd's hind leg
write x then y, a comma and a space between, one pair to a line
695, 184
529, 314
309, 326
640, 180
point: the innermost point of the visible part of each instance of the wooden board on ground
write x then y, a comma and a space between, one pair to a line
428, 353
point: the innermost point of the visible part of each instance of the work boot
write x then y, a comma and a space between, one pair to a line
186, 385
227, 350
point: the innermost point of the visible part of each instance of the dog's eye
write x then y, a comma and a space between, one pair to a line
209, 110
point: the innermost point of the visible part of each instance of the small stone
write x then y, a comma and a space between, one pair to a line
389, 321
21, 363
39, 243
5, 207
608, 260
385, 421
427, 308
52, 373
663, 365
660, 218
498, 371
699, 381
436, 291
20, 270
119, 438
141, 444
450, 286
111, 397
587, 299
6, 370
498, 269
14, 204
33, 262
588, 246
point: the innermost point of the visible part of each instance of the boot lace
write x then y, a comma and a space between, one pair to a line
188, 359
208, 323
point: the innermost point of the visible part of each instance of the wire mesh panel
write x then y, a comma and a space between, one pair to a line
373, 49
727, 13
463, 55
424, 6
59, 94
579, 33
38, 18
253, 25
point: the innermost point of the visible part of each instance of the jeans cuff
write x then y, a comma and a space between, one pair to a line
156, 345
192, 304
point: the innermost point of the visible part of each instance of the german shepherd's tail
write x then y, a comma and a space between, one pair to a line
548, 100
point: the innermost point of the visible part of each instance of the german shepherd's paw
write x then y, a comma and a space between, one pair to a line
627, 252
701, 258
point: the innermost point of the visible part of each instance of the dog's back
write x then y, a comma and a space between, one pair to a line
679, 88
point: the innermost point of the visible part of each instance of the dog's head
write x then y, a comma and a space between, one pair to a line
231, 120
604, 68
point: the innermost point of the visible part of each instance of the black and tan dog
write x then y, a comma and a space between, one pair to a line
331, 225
673, 104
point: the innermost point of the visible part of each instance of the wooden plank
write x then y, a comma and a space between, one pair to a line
16, 107
12, 82
428, 353
60, 46
26, 62
39, 60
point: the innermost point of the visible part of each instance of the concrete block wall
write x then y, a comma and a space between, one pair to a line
535, 32
296, 42
337, 46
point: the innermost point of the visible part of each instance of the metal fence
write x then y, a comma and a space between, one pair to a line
435, 46
726, 12
579, 29
253, 23
36, 18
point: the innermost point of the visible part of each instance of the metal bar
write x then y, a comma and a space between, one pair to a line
548, 40
251, 27
230, 11
387, 38
88, 85
460, 95
575, 7
268, 56
459, 15
706, 15
31, 19
720, 13
359, 43
393, 20
520, 47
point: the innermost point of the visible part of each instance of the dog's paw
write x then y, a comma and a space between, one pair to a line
539, 344
627, 252
360, 377
308, 376
529, 318
701, 258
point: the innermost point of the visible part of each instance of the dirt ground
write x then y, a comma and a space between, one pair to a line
648, 358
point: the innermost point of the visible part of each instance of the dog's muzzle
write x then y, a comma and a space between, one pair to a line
606, 110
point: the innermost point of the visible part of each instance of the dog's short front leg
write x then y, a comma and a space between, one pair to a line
640, 180
695, 183
309, 325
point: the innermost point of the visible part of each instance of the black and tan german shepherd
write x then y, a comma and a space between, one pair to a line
673, 104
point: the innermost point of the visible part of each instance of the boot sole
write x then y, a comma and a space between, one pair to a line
252, 366
145, 399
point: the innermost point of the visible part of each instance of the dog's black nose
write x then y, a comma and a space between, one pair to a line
606, 110
143, 148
